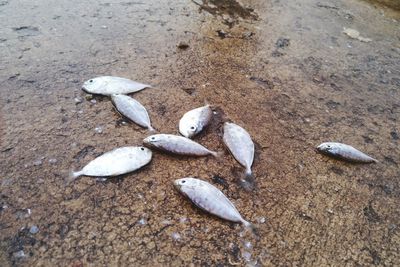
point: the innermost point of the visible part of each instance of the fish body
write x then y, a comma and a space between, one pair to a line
194, 121
108, 85
345, 152
209, 198
116, 162
239, 143
132, 109
177, 145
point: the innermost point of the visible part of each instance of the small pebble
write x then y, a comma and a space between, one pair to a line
183, 220
176, 236
52, 161
248, 245
261, 220
78, 100
98, 130
142, 221
93, 101
19, 254
88, 97
104, 27
34, 229
246, 256
37, 162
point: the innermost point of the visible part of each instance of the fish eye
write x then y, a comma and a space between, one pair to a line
328, 146
90, 81
192, 128
184, 181
142, 148
153, 138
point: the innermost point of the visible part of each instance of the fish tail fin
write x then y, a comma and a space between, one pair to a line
151, 129
247, 181
73, 175
217, 154
248, 173
375, 160
249, 226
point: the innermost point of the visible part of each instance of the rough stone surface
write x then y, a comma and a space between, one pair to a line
322, 86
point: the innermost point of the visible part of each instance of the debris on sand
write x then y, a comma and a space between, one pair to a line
183, 45
354, 34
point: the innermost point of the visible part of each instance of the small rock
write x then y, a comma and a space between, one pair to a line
19, 254
52, 161
176, 236
246, 256
183, 45
98, 130
354, 34
93, 101
34, 229
261, 220
221, 33
282, 42
248, 245
394, 135
247, 35
142, 221
104, 27
37, 162
78, 100
88, 97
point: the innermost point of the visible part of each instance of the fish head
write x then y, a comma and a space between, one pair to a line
188, 130
327, 148
92, 84
184, 183
145, 152
152, 140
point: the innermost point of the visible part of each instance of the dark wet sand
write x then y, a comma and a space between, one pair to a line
284, 71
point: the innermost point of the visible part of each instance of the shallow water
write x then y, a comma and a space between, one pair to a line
284, 71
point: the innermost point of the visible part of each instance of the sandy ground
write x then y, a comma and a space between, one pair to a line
284, 70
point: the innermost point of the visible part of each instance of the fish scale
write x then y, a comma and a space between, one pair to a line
178, 145
344, 152
116, 162
209, 198
239, 143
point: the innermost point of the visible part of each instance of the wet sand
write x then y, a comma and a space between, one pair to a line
283, 71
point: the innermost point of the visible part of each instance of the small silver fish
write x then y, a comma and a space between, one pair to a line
132, 109
193, 121
108, 85
239, 144
209, 198
345, 152
178, 145
116, 162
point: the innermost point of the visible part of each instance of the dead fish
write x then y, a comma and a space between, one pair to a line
132, 109
345, 152
209, 198
239, 144
178, 145
194, 121
108, 85
116, 162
